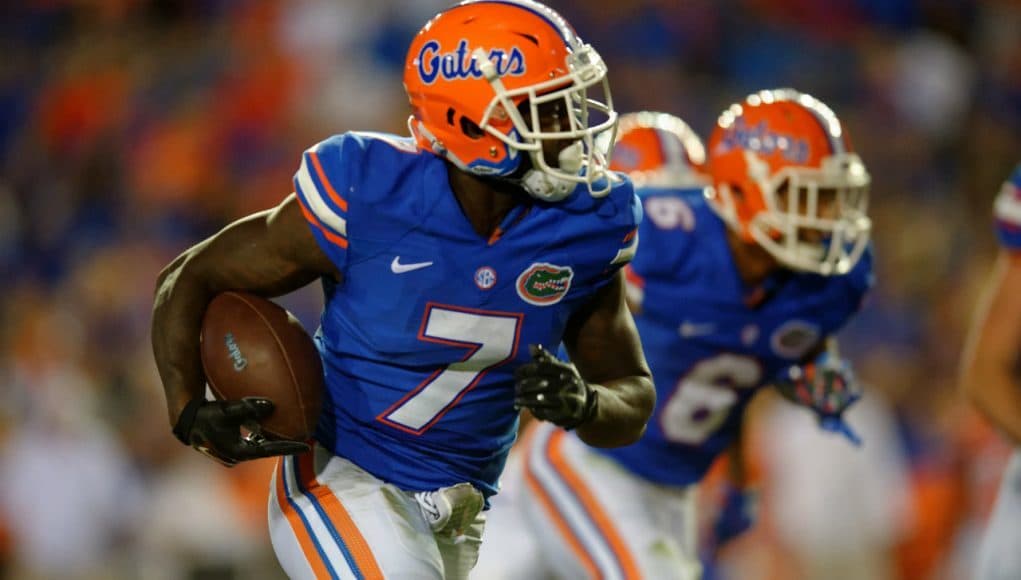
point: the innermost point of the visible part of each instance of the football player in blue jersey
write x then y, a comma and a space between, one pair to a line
989, 378
736, 286
448, 260
654, 149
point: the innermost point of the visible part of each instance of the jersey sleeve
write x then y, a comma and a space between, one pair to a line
1007, 211
628, 245
328, 171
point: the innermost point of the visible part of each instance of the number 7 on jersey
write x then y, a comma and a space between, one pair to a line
491, 339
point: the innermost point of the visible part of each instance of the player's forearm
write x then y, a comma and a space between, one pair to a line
181, 298
625, 406
997, 396
269, 253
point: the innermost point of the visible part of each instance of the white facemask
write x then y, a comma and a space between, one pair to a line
548, 187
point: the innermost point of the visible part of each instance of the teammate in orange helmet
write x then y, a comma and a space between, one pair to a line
736, 286
655, 150
448, 260
659, 150
989, 378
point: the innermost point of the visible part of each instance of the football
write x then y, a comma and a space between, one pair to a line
252, 347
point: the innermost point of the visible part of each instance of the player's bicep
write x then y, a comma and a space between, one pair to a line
270, 253
602, 340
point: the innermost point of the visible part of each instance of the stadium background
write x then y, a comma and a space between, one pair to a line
130, 129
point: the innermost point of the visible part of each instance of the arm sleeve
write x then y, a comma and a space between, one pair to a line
629, 241
327, 173
1007, 211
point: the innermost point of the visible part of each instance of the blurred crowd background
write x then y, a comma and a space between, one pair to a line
130, 129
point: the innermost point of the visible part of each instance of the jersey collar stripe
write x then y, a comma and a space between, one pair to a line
343, 529
311, 218
591, 504
340, 201
566, 532
310, 546
316, 203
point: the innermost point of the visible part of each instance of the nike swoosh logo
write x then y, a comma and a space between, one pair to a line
398, 268
691, 329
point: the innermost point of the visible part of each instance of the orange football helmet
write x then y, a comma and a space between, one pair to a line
472, 66
785, 176
659, 150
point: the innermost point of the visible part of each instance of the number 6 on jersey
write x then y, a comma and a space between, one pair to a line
703, 397
492, 339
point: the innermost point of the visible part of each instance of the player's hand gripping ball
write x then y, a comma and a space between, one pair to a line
214, 428
266, 375
553, 390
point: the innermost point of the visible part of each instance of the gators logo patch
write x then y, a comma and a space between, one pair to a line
543, 284
794, 338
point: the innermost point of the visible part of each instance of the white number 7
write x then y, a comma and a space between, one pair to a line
492, 339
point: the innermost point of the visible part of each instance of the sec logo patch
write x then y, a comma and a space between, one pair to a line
485, 278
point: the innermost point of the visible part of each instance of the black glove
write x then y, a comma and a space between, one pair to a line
827, 387
214, 428
553, 391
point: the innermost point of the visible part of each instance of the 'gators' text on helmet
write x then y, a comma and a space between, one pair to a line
785, 177
478, 77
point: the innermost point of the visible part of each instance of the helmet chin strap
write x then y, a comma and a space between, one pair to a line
542, 185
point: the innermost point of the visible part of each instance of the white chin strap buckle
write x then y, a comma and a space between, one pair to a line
547, 187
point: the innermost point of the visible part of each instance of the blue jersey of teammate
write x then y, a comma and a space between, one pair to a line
421, 338
1008, 212
708, 349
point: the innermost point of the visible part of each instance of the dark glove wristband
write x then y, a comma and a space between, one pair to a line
591, 408
185, 421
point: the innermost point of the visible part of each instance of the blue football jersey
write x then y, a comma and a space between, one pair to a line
1008, 212
421, 338
709, 349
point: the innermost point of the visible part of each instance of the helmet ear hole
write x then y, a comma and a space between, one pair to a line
470, 129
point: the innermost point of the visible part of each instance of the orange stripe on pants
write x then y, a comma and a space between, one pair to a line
551, 510
315, 560
591, 505
341, 520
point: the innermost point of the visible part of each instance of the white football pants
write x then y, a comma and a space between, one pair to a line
328, 518
509, 547
1000, 554
594, 519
